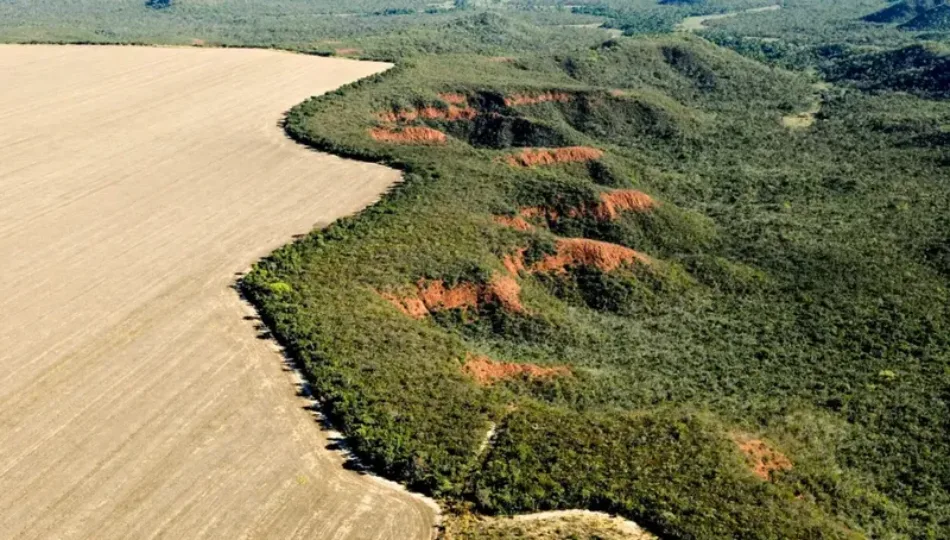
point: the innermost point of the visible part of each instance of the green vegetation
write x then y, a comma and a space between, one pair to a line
799, 292
306, 25
798, 289
915, 15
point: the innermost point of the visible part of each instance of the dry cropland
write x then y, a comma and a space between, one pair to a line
136, 397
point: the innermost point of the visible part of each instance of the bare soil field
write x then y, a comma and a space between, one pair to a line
136, 399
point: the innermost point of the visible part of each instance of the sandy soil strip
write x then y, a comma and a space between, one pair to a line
136, 400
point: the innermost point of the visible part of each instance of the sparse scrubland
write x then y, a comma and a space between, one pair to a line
660, 299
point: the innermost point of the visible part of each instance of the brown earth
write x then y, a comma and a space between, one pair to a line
486, 371
514, 222
541, 156
585, 252
453, 98
553, 525
611, 205
408, 135
347, 52
135, 399
514, 262
622, 200
762, 458
433, 295
430, 113
515, 100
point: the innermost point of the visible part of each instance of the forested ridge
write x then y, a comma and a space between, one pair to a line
795, 301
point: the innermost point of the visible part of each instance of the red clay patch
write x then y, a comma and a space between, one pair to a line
437, 297
409, 135
762, 458
585, 252
486, 371
506, 291
530, 99
624, 200
433, 296
453, 98
540, 156
514, 222
410, 306
430, 113
611, 205
514, 263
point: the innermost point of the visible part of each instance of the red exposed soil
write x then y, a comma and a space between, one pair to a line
527, 99
506, 291
577, 252
454, 98
486, 371
437, 297
532, 211
410, 306
611, 205
430, 113
409, 135
762, 458
514, 263
614, 202
540, 156
585, 252
514, 222
432, 296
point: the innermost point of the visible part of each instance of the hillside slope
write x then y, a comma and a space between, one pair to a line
655, 299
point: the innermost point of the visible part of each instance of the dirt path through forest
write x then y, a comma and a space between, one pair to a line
136, 400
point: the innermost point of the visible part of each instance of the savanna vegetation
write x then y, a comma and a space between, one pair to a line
615, 277
794, 291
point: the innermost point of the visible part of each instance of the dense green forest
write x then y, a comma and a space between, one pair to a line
696, 279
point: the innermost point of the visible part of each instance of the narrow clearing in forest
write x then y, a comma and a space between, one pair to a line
135, 398
695, 24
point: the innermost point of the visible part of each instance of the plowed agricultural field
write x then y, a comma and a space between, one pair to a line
136, 400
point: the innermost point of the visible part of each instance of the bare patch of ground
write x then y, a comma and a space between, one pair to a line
763, 459
136, 399
612, 32
577, 524
434, 295
531, 157
806, 118
582, 251
612, 204
408, 135
514, 222
515, 100
486, 371
429, 113
695, 24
